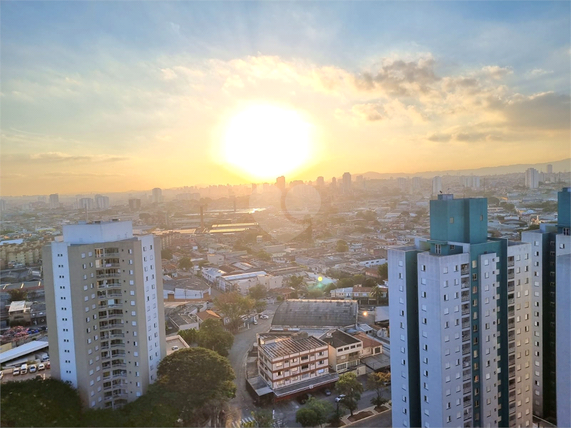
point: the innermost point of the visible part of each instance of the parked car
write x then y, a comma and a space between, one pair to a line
33, 368
339, 398
175, 348
264, 317
47, 364
255, 322
16, 371
41, 376
41, 366
24, 369
327, 392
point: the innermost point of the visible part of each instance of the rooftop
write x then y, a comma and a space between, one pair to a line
316, 313
289, 346
338, 338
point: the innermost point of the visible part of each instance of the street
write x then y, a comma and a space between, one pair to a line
382, 420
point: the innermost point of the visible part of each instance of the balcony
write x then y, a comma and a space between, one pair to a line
465, 283
511, 275
465, 323
465, 336
466, 349
465, 269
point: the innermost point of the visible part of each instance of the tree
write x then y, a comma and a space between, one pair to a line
369, 282
189, 336
315, 412
377, 381
352, 389
258, 292
185, 263
233, 306
17, 295
40, 403
378, 293
263, 255
384, 271
212, 335
263, 418
260, 306
194, 378
295, 281
156, 408
342, 246
166, 254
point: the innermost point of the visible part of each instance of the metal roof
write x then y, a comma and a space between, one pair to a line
316, 313
20, 351
289, 346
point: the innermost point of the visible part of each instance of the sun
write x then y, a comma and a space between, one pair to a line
265, 142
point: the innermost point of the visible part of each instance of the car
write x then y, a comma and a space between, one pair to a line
339, 398
48, 364
264, 317
16, 371
40, 377
327, 392
255, 322
33, 368
175, 348
24, 368
41, 366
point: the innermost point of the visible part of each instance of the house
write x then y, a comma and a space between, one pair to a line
344, 352
291, 365
20, 313
207, 315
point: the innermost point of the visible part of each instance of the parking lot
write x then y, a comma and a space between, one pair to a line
8, 377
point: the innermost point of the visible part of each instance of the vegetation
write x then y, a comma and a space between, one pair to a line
185, 263
314, 413
166, 254
197, 381
263, 255
384, 271
352, 388
189, 336
258, 292
342, 246
263, 418
377, 294
40, 403
233, 305
212, 335
17, 294
376, 382
295, 281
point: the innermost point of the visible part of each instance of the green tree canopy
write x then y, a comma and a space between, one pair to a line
156, 408
189, 336
212, 335
40, 403
194, 378
263, 418
17, 294
166, 254
378, 293
295, 281
352, 389
258, 292
342, 246
260, 306
314, 413
233, 305
376, 382
185, 263
384, 271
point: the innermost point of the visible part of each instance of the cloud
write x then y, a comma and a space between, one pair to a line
545, 110
369, 112
58, 157
81, 174
536, 72
439, 138
496, 72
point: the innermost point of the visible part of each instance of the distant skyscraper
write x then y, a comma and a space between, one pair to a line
320, 182
403, 184
550, 169
460, 317
551, 244
416, 183
85, 204
471, 182
347, 182
436, 185
334, 182
254, 188
54, 201
104, 299
532, 178
102, 202
2, 205
134, 204
281, 183
157, 195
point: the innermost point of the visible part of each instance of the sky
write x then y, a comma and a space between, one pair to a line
116, 96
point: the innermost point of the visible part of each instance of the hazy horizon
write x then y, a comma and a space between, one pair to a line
137, 95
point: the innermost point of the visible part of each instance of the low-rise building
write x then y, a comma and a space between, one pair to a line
291, 365
20, 313
344, 352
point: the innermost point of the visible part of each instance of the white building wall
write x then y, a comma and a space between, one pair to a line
563, 341
64, 315
439, 310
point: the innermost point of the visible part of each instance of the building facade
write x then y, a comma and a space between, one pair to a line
460, 316
104, 302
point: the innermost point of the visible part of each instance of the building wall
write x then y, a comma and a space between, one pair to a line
563, 342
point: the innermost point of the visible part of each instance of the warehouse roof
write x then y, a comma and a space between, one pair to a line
316, 313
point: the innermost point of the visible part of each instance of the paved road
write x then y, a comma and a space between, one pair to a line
383, 420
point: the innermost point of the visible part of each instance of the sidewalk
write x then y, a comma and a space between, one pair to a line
346, 421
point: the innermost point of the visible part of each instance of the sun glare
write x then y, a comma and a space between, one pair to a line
266, 141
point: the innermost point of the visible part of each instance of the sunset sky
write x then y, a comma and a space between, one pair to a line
115, 96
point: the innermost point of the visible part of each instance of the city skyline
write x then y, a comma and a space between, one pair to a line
145, 94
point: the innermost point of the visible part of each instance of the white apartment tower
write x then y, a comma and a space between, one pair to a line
531, 178
460, 316
436, 185
104, 303
550, 250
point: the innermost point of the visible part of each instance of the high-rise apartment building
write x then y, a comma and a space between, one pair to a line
549, 169
531, 178
102, 202
54, 201
347, 182
320, 182
416, 183
436, 185
550, 246
134, 204
460, 316
281, 183
104, 299
157, 195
